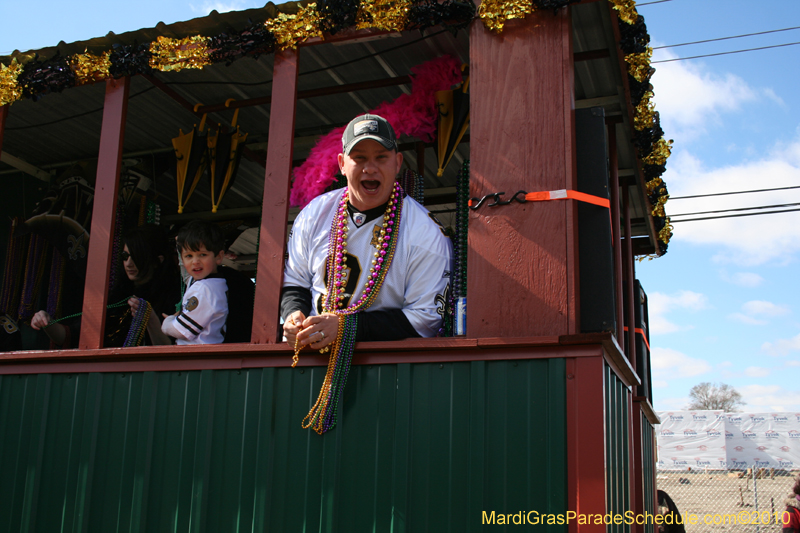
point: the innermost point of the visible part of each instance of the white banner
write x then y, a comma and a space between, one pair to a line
691, 440
716, 440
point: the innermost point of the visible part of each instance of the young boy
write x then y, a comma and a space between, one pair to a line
204, 311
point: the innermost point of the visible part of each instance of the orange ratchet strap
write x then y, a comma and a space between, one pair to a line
640, 331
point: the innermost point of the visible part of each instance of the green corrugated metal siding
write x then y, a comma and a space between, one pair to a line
419, 447
649, 469
618, 496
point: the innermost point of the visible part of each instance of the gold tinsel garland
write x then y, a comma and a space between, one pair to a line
639, 65
644, 114
387, 15
178, 54
666, 232
495, 13
9, 90
653, 184
89, 68
662, 149
626, 10
658, 209
289, 30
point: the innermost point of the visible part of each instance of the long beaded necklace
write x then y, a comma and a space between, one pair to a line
322, 416
138, 326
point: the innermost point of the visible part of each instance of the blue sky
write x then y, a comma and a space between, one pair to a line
724, 299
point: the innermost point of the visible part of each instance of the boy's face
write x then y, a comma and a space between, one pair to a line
200, 263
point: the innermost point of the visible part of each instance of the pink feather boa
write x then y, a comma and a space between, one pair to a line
411, 115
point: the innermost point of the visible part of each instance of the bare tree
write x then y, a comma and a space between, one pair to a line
710, 396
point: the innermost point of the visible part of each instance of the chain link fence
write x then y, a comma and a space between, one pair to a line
729, 500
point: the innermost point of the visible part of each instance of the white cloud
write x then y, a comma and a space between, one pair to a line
667, 363
660, 304
750, 240
767, 398
782, 346
746, 319
761, 307
756, 372
748, 280
688, 97
660, 384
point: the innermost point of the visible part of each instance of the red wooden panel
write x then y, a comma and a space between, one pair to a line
275, 206
586, 479
109, 163
522, 257
3, 116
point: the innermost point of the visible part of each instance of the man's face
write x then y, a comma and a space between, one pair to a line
371, 170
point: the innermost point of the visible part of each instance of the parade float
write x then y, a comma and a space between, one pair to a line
528, 127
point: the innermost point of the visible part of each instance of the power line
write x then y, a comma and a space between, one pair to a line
725, 53
735, 209
734, 192
656, 2
733, 216
726, 38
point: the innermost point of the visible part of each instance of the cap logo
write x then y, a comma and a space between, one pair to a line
365, 126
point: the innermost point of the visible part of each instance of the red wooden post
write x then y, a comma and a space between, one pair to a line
586, 458
3, 116
637, 465
109, 163
523, 257
275, 205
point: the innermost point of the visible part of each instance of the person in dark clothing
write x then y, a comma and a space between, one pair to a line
151, 272
672, 521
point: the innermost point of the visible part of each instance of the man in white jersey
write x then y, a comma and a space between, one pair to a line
410, 301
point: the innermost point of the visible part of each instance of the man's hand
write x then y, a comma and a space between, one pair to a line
319, 331
292, 326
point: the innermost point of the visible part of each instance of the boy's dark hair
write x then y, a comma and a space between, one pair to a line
199, 233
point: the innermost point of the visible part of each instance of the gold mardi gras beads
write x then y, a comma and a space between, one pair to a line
495, 13
290, 30
178, 54
10, 91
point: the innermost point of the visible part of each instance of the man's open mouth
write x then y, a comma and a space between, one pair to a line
371, 185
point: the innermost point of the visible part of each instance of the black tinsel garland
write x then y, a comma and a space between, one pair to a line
48, 76
130, 60
337, 15
454, 15
253, 41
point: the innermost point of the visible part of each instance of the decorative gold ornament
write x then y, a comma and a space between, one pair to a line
658, 209
178, 54
666, 232
653, 184
387, 15
495, 13
626, 10
639, 65
10, 91
662, 149
290, 30
89, 68
644, 114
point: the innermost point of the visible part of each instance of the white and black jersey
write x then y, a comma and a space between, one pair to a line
203, 313
416, 282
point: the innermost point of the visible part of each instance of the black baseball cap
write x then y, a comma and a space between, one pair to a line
368, 127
